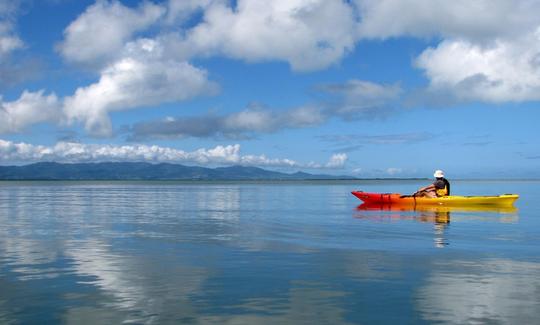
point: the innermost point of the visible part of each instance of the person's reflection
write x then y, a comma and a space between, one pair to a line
441, 220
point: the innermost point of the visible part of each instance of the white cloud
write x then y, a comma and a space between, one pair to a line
490, 50
506, 70
250, 120
264, 120
239, 125
394, 171
308, 34
304, 116
9, 40
474, 20
337, 161
491, 53
134, 73
30, 108
141, 78
78, 152
101, 32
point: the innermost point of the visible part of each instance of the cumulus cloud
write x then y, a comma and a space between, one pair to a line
78, 152
352, 100
240, 125
308, 34
481, 20
141, 78
101, 32
489, 50
506, 70
30, 108
9, 40
337, 160
134, 72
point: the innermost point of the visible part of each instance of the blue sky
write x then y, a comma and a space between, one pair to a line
366, 88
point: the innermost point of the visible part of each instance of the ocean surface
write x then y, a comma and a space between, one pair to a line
263, 253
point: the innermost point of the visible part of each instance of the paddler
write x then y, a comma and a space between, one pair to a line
441, 186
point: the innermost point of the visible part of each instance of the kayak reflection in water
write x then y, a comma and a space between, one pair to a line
439, 216
441, 187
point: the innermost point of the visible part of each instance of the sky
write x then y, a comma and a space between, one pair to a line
367, 88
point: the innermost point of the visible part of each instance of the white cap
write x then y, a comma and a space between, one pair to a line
438, 173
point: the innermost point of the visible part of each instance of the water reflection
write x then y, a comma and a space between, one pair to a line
436, 208
220, 204
305, 303
134, 284
493, 291
439, 216
229, 253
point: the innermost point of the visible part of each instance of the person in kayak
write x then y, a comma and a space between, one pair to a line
441, 186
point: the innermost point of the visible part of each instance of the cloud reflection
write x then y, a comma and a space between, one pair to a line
492, 291
306, 303
136, 283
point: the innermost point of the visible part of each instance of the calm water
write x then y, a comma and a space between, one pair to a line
263, 253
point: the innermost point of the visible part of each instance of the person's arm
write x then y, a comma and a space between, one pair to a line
430, 187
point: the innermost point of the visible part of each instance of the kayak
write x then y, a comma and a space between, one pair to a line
505, 200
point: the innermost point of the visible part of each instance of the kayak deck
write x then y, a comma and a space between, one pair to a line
505, 200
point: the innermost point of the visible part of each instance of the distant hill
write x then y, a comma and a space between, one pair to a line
145, 171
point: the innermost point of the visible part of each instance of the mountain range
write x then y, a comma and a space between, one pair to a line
146, 171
